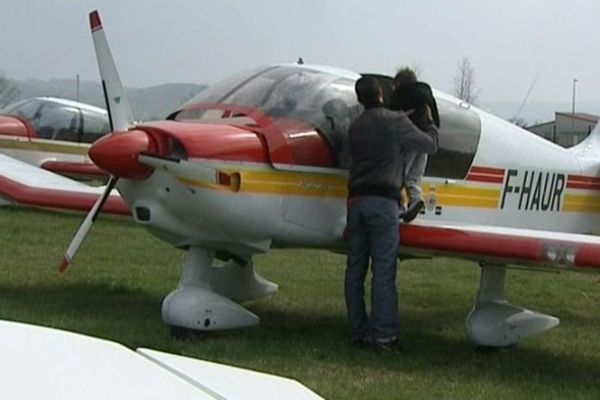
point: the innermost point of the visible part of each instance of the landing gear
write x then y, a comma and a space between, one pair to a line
494, 322
206, 297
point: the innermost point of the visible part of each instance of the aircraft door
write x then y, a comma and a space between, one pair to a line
459, 135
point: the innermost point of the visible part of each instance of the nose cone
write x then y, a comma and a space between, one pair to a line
118, 154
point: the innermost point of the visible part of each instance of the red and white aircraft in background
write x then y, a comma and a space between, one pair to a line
42, 137
256, 162
54, 134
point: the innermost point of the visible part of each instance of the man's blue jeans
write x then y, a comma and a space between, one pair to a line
372, 235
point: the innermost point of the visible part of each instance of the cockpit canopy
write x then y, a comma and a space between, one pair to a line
324, 99
59, 119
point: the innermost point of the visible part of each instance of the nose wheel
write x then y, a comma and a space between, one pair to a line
207, 295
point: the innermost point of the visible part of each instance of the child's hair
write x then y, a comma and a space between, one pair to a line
405, 76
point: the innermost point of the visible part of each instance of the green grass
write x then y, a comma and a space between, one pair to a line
122, 273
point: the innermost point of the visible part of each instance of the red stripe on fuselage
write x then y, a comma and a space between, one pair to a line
485, 178
586, 186
581, 178
486, 170
583, 182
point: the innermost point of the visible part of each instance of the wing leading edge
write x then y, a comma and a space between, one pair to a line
502, 245
26, 185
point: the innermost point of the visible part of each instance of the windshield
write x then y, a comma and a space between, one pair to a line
327, 102
323, 100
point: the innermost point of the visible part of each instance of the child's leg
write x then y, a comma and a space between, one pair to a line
414, 170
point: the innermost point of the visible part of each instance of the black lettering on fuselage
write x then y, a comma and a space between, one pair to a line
547, 192
535, 202
536, 190
559, 187
526, 190
507, 187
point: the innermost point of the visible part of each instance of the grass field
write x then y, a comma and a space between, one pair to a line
122, 273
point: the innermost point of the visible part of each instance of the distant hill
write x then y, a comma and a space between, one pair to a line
157, 102
151, 103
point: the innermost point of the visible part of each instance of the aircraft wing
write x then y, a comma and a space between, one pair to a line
46, 363
27, 185
501, 245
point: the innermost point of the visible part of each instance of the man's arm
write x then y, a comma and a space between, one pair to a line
412, 138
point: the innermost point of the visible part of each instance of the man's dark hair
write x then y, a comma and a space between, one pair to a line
368, 91
404, 77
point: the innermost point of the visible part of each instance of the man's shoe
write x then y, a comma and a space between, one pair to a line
392, 347
413, 211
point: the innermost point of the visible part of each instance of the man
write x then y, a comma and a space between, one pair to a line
416, 99
378, 138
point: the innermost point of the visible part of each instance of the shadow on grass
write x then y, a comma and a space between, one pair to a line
293, 335
104, 310
429, 351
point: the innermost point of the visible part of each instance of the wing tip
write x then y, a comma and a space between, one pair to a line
95, 22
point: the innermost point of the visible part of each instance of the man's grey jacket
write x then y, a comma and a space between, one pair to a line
378, 138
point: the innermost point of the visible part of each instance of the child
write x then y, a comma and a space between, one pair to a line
416, 99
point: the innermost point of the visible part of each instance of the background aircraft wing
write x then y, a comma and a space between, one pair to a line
501, 245
26, 185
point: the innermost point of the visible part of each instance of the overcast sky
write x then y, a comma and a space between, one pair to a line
200, 41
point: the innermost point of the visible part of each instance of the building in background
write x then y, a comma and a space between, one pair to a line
567, 129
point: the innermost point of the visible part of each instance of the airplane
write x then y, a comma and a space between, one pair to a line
54, 134
255, 162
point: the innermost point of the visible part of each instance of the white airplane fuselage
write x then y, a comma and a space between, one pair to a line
531, 183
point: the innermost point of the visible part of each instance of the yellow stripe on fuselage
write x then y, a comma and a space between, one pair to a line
281, 183
294, 183
326, 185
462, 195
581, 203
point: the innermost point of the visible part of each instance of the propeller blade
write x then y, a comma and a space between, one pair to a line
86, 225
117, 104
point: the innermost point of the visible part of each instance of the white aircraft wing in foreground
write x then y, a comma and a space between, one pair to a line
45, 363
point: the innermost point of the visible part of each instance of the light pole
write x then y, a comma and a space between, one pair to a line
575, 80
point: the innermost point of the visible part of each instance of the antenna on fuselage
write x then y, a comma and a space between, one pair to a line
526, 96
300, 61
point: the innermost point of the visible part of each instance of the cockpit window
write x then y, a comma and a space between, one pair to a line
327, 102
323, 100
93, 126
61, 120
58, 123
24, 108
